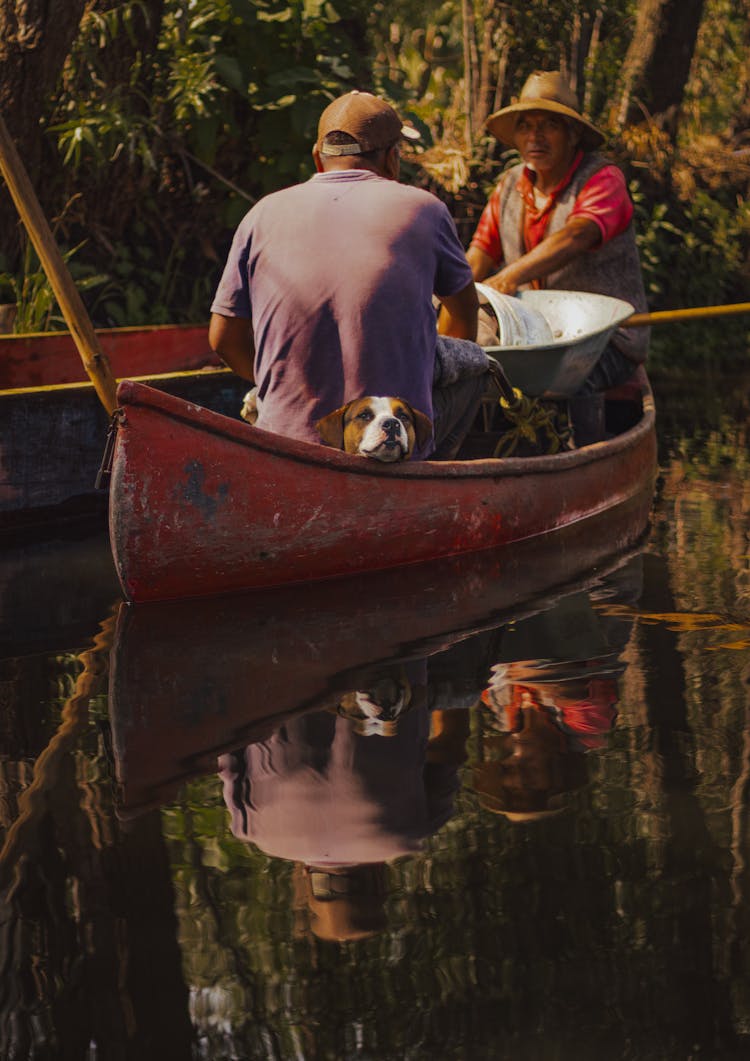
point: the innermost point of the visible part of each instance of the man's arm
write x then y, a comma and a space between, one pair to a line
458, 314
232, 339
573, 239
482, 264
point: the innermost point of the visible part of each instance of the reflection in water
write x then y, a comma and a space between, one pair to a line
343, 792
341, 801
482, 827
546, 711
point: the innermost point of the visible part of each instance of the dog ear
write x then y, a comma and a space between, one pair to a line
422, 425
331, 428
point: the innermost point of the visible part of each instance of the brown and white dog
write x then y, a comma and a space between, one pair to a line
384, 428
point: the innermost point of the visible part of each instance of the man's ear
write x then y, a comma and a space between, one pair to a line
422, 425
392, 162
317, 159
331, 428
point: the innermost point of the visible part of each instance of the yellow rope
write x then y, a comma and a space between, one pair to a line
543, 427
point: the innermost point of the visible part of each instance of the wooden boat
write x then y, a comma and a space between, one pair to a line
201, 504
53, 427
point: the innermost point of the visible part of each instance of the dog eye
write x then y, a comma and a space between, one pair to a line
365, 415
403, 416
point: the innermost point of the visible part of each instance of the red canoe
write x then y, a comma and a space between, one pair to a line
202, 504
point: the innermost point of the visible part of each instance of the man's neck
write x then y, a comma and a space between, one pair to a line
547, 182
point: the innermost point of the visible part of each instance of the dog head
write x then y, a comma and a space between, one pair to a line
384, 428
376, 709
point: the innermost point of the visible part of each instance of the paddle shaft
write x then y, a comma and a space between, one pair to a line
61, 282
640, 320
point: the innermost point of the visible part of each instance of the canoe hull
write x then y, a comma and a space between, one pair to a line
201, 504
49, 359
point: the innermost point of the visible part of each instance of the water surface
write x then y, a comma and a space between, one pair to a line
493, 809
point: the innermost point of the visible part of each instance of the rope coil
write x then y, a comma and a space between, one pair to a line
529, 423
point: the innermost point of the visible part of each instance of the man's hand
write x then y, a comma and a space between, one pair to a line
575, 238
507, 281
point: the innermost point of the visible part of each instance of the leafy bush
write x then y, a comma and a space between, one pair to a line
174, 142
695, 253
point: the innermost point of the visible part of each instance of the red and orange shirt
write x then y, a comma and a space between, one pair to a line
604, 199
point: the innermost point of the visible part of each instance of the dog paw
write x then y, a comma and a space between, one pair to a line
249, 410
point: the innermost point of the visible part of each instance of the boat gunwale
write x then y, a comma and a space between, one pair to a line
86, 386
102, 333
326, 458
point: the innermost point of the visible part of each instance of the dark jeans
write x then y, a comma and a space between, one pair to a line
461, 374
611, 370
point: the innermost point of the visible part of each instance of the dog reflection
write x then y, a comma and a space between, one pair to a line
376, 709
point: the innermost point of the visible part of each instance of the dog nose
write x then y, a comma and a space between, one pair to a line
391, 428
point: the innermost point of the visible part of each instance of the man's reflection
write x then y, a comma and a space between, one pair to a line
551, 698
540, 729
343, 792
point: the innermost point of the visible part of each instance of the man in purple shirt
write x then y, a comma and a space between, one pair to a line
327, 293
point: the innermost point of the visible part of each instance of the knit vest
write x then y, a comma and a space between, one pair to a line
613, 269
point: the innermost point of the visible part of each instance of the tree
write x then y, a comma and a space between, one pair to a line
657, 63
34, 42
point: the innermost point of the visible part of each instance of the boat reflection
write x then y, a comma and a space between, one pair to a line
348, 724
346, 791
189, 681
341, 717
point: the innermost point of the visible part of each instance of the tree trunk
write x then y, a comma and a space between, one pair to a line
35, 39
467, 22
740, 124
657, 64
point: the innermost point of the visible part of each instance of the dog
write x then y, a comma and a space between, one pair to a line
375, 711
386, 429
384, 694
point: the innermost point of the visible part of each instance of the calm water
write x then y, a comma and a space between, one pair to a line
471, 812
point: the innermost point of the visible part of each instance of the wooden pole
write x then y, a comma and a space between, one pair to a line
667, 316
66, 293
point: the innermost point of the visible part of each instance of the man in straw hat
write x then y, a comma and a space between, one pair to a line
327, 291
547, 716
562, 217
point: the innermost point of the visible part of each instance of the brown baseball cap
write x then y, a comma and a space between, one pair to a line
372, 122
544, 90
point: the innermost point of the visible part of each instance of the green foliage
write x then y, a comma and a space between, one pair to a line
720, 66
29, 289
695, 254
168, 132
419, 55
172, 144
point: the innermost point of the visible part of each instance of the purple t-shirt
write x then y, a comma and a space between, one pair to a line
320, 793
337, 275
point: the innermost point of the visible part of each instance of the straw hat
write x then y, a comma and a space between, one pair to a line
544, 91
